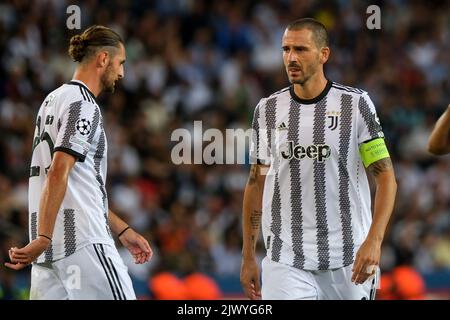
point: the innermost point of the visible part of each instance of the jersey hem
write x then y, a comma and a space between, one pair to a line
57, 257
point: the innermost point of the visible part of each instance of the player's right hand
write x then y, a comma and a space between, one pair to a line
250, 278
22, 257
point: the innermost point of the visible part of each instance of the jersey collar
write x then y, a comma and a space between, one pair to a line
313, 100
81, 84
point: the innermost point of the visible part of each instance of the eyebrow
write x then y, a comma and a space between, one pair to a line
295, 47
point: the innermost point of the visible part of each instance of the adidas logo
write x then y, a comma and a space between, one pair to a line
282, 126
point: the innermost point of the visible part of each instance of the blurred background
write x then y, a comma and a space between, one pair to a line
212, 61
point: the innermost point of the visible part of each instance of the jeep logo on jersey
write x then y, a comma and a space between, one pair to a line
321, 152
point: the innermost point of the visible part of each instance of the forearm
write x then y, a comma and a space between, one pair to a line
51, 198
439, 142
252, 211
116, 224
386, 189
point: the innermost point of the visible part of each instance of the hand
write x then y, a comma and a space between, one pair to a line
368, 255
250, 278
137, 245
22, 257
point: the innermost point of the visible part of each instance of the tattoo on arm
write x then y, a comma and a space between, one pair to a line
379, 166
255, 219
253, 174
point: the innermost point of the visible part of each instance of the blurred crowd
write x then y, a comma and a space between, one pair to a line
212, 61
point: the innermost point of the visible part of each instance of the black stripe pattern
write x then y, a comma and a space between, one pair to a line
74, 115
98, 157
95, 122
114, 274
108, 275
33, 225
276, 221
276, 200
279, 92
270, 120
369, 118
48, 253
82, 93
88, 96
320, 187
296, 189
255, 135
69, 232
346, 88
344, 200
373, 290
116, 277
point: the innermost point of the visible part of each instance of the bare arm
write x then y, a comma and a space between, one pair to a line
54, 190
439, 141
135, 243
51, 198
251, 222
116, 224
386, 189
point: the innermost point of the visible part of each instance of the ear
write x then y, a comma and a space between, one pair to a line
324, 54
102, 59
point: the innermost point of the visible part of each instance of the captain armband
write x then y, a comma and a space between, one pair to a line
373, 151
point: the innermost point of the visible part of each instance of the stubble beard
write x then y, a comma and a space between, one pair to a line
108, 86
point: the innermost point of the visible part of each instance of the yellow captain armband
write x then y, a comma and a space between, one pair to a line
373, 151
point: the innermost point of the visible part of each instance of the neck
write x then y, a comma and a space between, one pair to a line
89, 78
311, 88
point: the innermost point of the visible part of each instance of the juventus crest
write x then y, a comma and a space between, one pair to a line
333, 119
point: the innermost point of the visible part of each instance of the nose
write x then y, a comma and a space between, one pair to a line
121, 73
292, 56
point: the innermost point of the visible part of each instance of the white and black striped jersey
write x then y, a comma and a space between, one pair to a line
69, 120
316, 201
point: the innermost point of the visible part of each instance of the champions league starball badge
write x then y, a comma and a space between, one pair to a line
83, 126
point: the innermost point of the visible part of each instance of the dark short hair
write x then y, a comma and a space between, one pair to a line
83, 46
320, 34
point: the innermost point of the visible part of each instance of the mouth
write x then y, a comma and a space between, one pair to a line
294, 70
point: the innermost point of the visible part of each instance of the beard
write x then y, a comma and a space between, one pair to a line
304, 75
108, 84
299, 81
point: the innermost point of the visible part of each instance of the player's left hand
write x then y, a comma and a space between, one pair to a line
366, 261
137, 245
22, 257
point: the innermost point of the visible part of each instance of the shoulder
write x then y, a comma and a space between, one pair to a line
281, 92
276, 95
76, 91
353, 90
73, 96
359, 95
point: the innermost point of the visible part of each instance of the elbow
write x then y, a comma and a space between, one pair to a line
436, 150
438, 147
57, 174
394, 184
